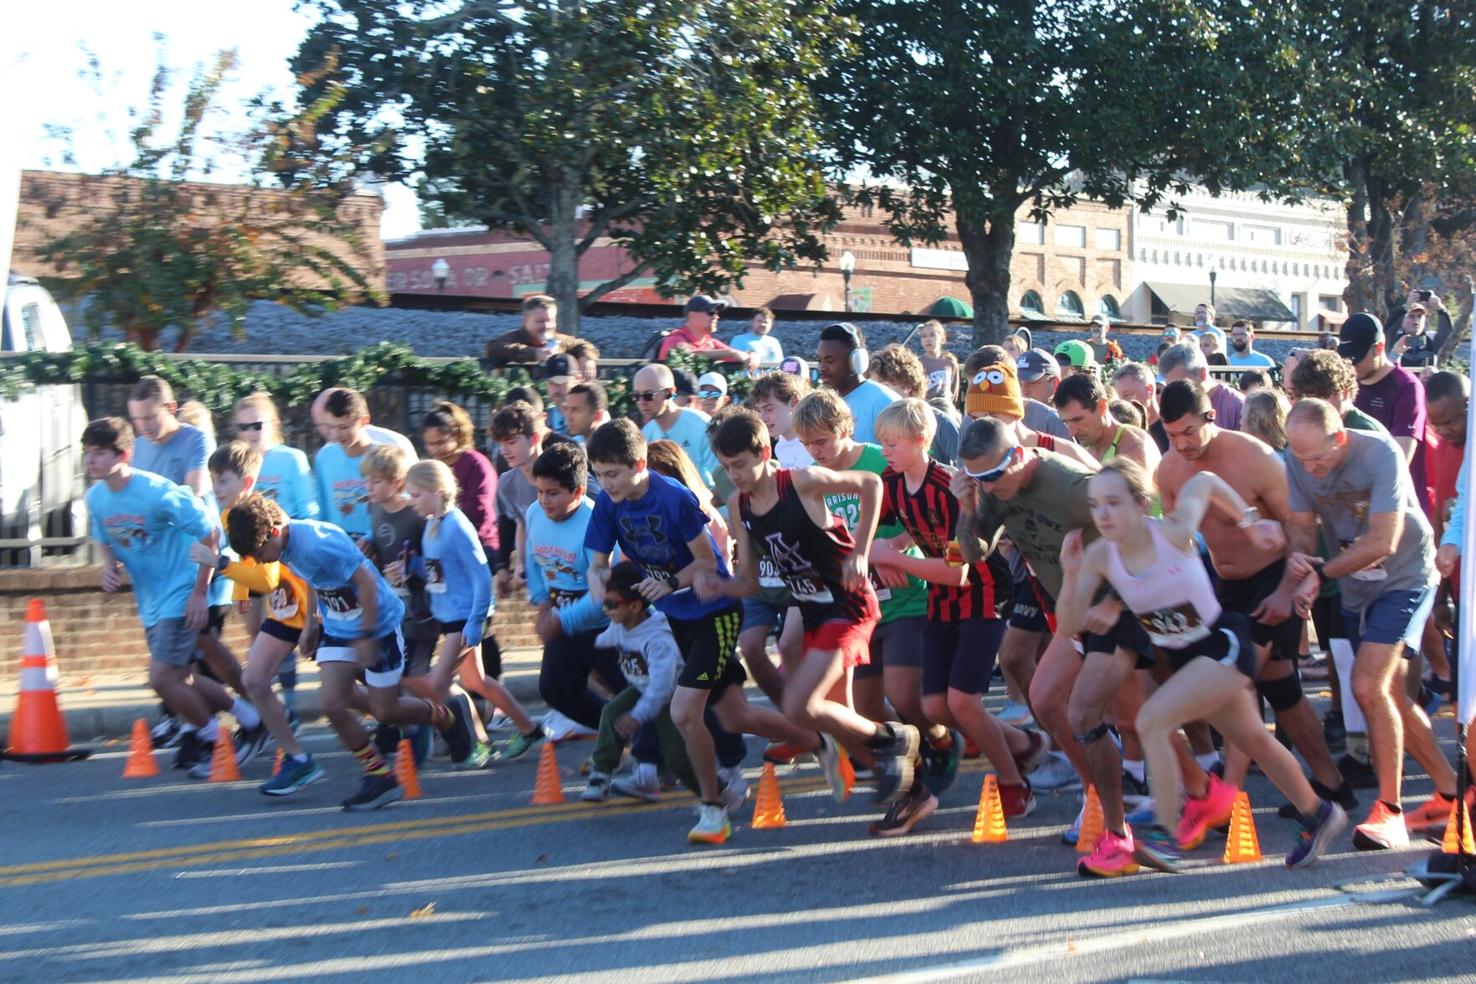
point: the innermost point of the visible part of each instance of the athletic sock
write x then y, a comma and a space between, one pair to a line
371, 760
245, 715
208, 733
942, 744
300, 759
1134, 768
1208, 760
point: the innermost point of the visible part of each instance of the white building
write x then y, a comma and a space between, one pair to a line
1275, 264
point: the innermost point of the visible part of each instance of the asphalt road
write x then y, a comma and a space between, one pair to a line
171, 880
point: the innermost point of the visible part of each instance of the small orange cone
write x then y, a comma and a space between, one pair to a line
848, 774
1458, 837
989, 822
37, 731
1241, 844
405, 773
277, 762
1092, 824
548, 788
141, 764
223, 759
768, 807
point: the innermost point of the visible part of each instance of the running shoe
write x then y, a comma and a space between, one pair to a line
642, 782
1431, 815
422, 740
1055, 774
1358, 773
735, 789
942, 763
1317, 834
829, 757
905, 813
1211, 810
1017, 801
1034, 753
1343, 796
1333, 730
1383, 830
1112, 858
250, 742
292, 776
1156, 849
386, 739
1016, 714
165, 733
1134, 793
1313, 668
895, 755
864, 772
374, 792
499, 722
518, 745
1143, 816
785, 752
598, 788
461, 734
480, 758
189, 750
712, 826
1072, 834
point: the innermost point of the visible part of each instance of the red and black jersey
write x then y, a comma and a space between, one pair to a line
807, 558
930, 516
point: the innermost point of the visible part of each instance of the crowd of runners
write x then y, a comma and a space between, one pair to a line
1146, 556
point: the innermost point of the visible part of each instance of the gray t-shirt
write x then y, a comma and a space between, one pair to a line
1372, 479
945, 439
187, 450
515, 493
1043, 420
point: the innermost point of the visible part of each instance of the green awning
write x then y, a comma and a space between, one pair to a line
1234, 303
950, 307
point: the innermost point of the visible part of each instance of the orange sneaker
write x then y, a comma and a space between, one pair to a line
1211, 810
1382, 831
1431, 815
784, 753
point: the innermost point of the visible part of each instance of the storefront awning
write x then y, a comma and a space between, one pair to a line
1234, 303
950, 307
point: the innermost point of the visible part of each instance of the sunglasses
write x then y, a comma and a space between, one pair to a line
709, 394
645, 396
256, 426
611, 603
997, 472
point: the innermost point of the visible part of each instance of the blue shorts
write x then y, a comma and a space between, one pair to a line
960, 655
766, 609
1392, 617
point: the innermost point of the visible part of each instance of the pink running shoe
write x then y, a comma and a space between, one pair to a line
1199, 815
1112, 858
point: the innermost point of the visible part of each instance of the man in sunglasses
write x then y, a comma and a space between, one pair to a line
654, 391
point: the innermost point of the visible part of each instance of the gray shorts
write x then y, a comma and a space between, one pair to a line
171, 642
895, 643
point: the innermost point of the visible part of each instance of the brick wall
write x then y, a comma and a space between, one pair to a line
98, 633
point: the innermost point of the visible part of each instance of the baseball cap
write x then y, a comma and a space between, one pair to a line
706, 305
1035, 364
1416, 307
684, 382
1076, 354
795, 366
712, 380
558, 367
1359, 334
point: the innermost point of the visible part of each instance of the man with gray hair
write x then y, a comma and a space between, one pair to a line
1134, 382
1186, 361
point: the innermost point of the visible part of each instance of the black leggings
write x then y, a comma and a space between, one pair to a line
563, 679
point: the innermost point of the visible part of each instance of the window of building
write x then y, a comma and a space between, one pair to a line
1296, 306
1070, 303
1330, 302
1109, 307
1216, 231
1071, 235
1109, 239
1030, 233
1030, 301
1261, 234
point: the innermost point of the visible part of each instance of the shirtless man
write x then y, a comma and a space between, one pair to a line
1252, 581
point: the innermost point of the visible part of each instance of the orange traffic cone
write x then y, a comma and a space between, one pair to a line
223, 759
989, 822
768, 807
848, 774
1458, 837
277, 762
1092, 824
37, 731
405, 773
548, 788
141, 764
1241, 844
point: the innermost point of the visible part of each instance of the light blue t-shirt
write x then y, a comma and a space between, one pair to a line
690, 431
767, 346
457, 578
286, 478
343, 492
150, 525
324, 556
866, 401
1249, 360
556, 566
188, 449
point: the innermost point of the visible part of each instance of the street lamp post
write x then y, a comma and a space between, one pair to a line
847, 267
441, 270
1212, 288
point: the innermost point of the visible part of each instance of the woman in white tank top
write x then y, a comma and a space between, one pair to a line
1154, 567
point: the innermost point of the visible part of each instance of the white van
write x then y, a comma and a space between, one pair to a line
41, 470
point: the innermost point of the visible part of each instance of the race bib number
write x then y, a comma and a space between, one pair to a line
283, 603
435, 577
633, 664
1174, 628
805, 589
341, 603
768, 574
882, 593
563, 599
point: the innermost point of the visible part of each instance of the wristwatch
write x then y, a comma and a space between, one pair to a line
1250, 517
221, 563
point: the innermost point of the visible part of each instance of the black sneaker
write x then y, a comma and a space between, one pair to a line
1333, 731
250, 742
165, 733
461, 737
896, 751
191, 751
1135, 794
904, 814
386, 739
1343, 796
1358, 773
374, 792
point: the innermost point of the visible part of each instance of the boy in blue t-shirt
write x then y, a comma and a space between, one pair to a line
360, 617
147, 524
342, 489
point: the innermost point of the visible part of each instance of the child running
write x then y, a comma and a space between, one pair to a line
361, 638
1155, 568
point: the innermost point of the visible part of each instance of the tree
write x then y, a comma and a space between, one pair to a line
154, 250
982, 108
681, 130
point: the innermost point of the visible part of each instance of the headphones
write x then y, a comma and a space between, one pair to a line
859, 360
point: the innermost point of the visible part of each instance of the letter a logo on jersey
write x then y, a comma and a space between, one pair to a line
786, 557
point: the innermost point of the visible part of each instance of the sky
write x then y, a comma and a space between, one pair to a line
46, 45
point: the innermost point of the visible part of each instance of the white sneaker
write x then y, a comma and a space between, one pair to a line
829, 758
1054, 774
558, 727
643, 783
712, 826
598, 789
1072, 834
735, 788
1016, 714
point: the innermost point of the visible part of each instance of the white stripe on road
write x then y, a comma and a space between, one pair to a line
275, 869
